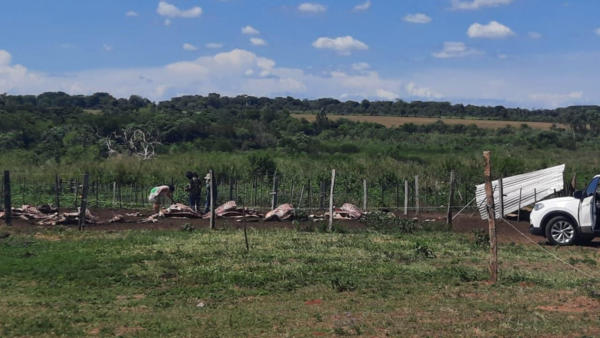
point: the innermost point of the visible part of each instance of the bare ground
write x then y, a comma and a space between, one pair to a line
464, 223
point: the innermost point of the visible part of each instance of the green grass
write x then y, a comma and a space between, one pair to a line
149, 283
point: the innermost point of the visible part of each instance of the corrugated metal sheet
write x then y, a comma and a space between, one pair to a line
532, 186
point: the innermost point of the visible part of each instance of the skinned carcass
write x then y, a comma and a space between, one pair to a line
281, 213
230, 210
69, 218
180, 210
346, 212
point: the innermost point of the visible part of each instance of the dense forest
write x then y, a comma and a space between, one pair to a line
56, 129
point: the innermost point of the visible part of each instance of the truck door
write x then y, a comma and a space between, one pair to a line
587, 206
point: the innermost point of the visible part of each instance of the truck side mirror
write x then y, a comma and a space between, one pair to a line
578, 195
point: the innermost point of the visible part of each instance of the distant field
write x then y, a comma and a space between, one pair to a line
394, 121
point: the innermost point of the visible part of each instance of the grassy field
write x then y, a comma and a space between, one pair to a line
292, 283
394, 121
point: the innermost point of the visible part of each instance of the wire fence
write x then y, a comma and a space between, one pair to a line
424, 194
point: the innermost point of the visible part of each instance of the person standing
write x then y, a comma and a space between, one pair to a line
208, 193
194, 189
158, 194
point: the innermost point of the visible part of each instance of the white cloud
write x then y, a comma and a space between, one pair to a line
214, 45
502, 56
417, 18
597, 31
171, 11
413, 90
556, 100
249, 30
543, 81
363, 7
386, 95
258, 42
312, 8
534, 35
107, 47
189, 47
361, 66
493, 30
5, 58
456, 50
343, 45
168, 22
478, 4
131, 13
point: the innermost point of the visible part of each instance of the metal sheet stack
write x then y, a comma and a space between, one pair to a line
530, 187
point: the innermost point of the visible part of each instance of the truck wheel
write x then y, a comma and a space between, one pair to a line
561, 231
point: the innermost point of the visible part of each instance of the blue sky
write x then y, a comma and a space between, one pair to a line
527, 53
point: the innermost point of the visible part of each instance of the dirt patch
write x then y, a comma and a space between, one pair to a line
313, 302
94, 332
464, 223
51, 238
577, 305
125, 330
139, 296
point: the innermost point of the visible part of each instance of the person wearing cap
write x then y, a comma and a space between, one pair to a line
208, 193
194, 189
158, 194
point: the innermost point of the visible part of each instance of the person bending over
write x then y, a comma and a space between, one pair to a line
158, 195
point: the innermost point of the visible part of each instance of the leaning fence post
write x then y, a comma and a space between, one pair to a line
331, 200
417, 195
450, 195
364, 195
84, 196
212, 200
245, 228
7, 204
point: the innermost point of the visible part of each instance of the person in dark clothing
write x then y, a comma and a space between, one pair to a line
194, 189
208, 193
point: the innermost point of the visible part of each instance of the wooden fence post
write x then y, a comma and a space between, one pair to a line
120, 198
322, 201
245, 228
417, 195
84, 196
309, 195
76, 190
331, 200
450, 201
425, 204
230, 188
56, 191
519, 211
501, 197
300, 199
292, 193
364, 195
274, 192
405, 197
212, 200
382, 194
491, 218
7, 202
98, 192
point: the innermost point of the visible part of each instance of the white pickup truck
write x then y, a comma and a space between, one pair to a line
568, 220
